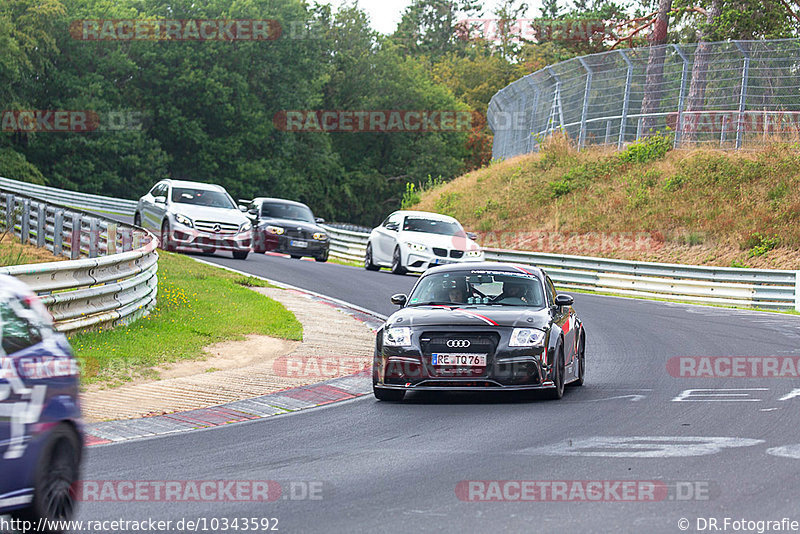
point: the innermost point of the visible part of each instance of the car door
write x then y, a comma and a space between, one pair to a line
148, 207
160, 204
386, 239
21, 401
562, 317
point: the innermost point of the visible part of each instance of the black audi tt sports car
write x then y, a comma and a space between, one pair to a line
478, 327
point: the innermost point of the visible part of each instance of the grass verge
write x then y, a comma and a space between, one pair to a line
12, 252
198, 305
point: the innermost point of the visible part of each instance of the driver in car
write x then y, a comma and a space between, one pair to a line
513, 291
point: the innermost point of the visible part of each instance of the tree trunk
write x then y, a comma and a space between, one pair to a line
695, 101
655, 66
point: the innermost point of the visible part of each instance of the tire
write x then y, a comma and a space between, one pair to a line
581, 363
388, 395
240, 254
57, 472
368, 265
397, 262
137, 219
166, 243
558, 391
322, 258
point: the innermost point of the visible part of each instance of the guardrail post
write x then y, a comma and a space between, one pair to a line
137, 240
10, 213
626, 100
681, 96
94, 237
111, 239
742, 93
797, 291
25, 222
75, 237
127, 239
582, 134
58, 233
41, 225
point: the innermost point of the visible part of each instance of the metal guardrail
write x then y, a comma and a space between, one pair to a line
111, 278
727, 94
73, 199
758, 288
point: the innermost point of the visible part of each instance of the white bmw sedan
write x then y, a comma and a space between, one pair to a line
417, 240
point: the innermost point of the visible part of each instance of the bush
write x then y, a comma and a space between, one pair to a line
760, 244
647, 149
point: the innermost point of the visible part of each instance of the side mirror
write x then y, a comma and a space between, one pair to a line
319, 220
564, 300
399, 300
243, 209
392, 226
160, 200
253, 212
472, 235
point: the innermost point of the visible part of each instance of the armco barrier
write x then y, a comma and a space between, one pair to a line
111, 279
759, 288
73, 199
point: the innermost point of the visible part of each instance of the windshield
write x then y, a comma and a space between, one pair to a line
432, 226
279, 210
482, 288
202, 197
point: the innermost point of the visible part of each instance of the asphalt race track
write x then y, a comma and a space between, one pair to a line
387, 467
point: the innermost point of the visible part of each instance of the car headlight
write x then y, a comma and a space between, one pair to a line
474, 253
397, 337
246, 226
416, 246
184, 220
275, 230
320, 236
526, 337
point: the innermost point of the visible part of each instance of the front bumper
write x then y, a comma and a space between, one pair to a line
282, 244
507, 368
420, 261
186, 237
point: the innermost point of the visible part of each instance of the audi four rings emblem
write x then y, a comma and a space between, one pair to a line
458, 343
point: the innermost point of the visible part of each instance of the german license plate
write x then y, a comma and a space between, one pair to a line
460, 360
298, 244
437, 261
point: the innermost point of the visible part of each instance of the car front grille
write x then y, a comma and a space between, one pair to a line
479, 343
440, 252
456, 254
211, 227
298, 233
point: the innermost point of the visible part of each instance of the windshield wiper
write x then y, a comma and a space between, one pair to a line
436, 303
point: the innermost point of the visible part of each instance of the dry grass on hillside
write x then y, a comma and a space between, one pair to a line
12, 252
647, 202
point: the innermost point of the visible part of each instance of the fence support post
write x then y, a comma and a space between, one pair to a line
532, 121
58, 233
25, 222
94, 237
681, 96
626, 100
582, 134
742, 93
111, 239
10, 204
556, 101
75, 237
41, 225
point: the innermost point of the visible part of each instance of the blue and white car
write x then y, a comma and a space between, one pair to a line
41, 439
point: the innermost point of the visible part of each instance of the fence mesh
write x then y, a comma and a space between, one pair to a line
727, 94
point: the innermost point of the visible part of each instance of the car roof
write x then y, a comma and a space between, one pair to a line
426, 214
488, 266
280, 200
195, 185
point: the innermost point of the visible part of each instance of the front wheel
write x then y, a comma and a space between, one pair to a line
557, 392
389, 395
240, 254
57, 472
581, 363
166, 242
368, 264
322, 258
397, 262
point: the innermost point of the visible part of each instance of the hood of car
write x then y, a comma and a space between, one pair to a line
508, 316
289, 223
439, 241
205, 213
